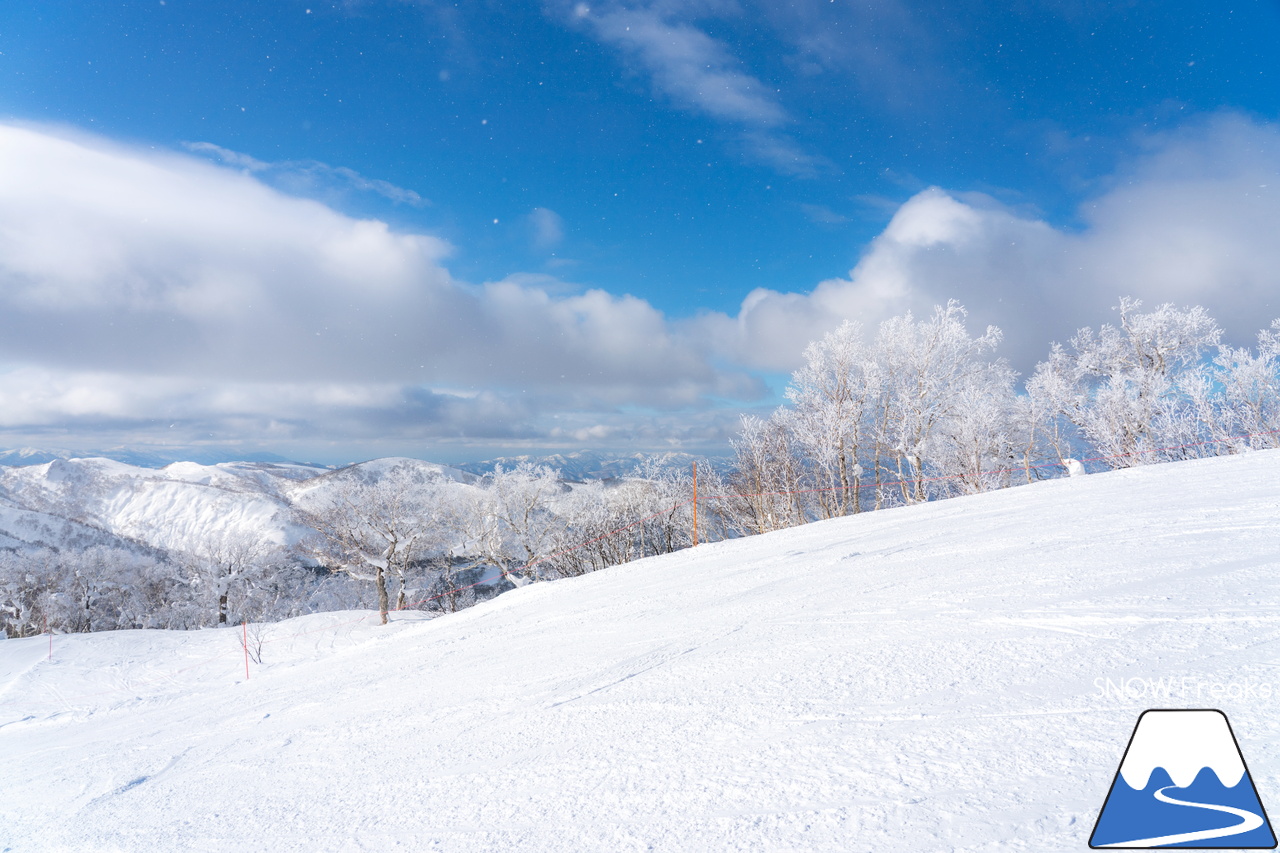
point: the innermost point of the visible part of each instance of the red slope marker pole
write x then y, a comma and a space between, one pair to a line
245, 628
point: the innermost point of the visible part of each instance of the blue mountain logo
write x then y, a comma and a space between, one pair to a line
1183, 783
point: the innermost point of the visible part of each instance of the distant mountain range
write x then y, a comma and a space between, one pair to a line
50, 501
25, 456
579, 466
593, 464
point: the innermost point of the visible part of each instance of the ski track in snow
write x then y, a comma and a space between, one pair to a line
918, 679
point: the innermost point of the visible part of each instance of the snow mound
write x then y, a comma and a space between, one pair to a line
923, 678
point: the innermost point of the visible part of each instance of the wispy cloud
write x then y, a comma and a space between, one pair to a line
823, 215
700, 74
547, 226
298, 173
782, 153
686, 64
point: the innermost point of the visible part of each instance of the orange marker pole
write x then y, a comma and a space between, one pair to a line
695, 504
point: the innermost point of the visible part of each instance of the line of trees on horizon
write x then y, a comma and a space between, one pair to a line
920, 411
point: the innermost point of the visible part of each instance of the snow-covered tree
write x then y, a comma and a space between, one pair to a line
931, 368
977, 444
520, 520
1248, 415
373, 529
604, 524
766, 482
1120, 386
227, 560
100, 588
1050, 409
832, 396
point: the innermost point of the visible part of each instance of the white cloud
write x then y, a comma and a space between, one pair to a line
688, 65
140, 284
154, 295
324, 421
307, 176
111, 258
700, 74
1192, 222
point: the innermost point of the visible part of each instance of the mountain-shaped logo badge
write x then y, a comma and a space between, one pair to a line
1183, 783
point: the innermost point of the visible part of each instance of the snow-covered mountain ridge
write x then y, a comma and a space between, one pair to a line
23, 456
594, 464
178, 506
922, 678
182, 505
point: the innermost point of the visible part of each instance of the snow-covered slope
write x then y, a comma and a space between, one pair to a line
375, 469
172, 507
23, 529
921, 679
179, 506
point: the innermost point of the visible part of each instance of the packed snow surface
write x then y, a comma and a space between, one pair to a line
962, 675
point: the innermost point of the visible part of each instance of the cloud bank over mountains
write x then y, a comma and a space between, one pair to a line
141, 286
155, 297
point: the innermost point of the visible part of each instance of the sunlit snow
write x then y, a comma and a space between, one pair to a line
935, 677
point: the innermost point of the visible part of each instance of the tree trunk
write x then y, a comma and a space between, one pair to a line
844, 481
381, 579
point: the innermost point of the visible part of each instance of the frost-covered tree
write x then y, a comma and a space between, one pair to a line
931, 368
100, 588
918, 405
766, 482
832, 396
23, 580
230, 560
660, 496
604, 524
1119, 387
1050, 409
375, 529
1248, 414
601, 527
977, 443
520, 524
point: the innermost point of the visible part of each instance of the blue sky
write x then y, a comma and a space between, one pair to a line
451, 230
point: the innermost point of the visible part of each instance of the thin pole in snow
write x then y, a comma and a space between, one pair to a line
695, 504
50, 633
245, 629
